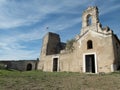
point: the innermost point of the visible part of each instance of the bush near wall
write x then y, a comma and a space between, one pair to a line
69, 45
3, 66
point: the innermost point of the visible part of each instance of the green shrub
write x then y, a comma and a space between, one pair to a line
2, 66
69, 45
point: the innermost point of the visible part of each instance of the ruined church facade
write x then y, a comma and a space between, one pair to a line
96, 49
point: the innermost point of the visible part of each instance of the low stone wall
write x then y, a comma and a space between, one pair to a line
22, 65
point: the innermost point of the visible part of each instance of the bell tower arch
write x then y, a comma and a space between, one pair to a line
90, 14
90, 19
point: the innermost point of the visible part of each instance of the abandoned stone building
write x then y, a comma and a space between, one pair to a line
96, 49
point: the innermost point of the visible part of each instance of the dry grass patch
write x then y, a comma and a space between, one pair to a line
37, 80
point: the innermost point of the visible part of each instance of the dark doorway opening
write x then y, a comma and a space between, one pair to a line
55, 64
29, 67
90, 63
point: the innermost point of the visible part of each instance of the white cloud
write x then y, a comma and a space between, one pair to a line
28, 12
18, 55
19, 13
11, 49
15, 13
105, 9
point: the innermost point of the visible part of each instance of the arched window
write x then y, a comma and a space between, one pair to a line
89, 20
89, 44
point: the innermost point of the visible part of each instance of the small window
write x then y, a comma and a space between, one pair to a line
89, 44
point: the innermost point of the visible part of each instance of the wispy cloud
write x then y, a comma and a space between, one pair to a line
24, 21
15, 13
105, 9
19, 13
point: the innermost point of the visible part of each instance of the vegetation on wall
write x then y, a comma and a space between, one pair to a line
69, 45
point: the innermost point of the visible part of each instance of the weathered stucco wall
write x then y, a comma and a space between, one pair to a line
102, 48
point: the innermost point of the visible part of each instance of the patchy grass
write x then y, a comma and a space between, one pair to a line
37, 80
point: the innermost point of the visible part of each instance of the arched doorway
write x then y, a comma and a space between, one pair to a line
29, 67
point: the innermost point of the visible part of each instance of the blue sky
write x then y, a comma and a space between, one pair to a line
23, 23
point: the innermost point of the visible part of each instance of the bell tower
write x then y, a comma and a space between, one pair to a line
90, 19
